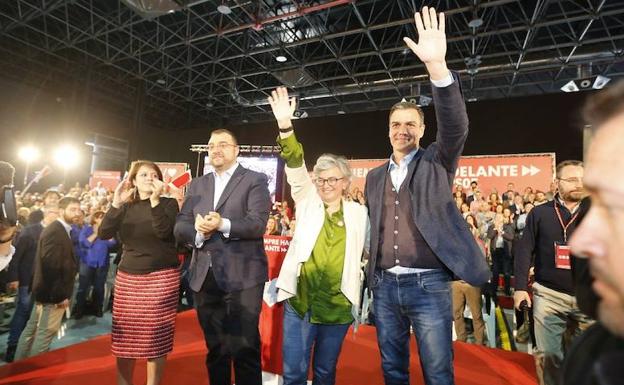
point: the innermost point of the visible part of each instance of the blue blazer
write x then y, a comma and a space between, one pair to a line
430, 177
238, 262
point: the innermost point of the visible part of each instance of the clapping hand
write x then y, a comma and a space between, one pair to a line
207, 224
283, 107
122, 194
431, 47
157, 189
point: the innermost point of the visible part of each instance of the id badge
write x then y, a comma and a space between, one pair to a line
562, 256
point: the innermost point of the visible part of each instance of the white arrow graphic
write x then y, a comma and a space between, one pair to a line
530, 170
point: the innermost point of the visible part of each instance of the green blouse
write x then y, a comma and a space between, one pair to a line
318, 288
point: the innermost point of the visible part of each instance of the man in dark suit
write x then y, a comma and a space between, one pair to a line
53, 282
419, 240
223, 218
21, 270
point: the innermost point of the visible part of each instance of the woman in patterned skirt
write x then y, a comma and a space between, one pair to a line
148, 278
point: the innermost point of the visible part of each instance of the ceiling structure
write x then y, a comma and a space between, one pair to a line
214, 62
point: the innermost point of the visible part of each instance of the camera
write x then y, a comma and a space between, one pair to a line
8, 212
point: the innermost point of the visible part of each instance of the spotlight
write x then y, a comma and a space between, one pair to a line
224, 9
28, 153
600, 82
300, 114
476, 22
281, 59
582, 84
570, 87
66, 156
424, 101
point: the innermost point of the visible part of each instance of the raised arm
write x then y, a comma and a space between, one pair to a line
448, 100
292, 151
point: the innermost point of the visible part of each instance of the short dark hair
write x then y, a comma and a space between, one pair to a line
225, 131
66, 201
567, 163
408, 106
604, 105
7, 173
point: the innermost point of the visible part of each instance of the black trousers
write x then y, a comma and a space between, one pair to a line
230, 325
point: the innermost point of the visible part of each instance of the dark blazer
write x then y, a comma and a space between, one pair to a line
22, 265
55, 265
238, 262
430, 177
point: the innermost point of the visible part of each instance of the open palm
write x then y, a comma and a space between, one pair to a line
283, 107
431, 47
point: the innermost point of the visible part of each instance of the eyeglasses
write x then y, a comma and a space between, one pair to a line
219, 146
331, 181
571, 180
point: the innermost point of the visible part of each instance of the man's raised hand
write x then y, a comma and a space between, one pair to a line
431, 47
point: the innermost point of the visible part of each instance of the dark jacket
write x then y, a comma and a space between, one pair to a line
55, 266
509, 234
22, 265
430, 176
542, 230
238, 262
595, 358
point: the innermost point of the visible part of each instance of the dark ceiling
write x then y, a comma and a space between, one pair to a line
196, 66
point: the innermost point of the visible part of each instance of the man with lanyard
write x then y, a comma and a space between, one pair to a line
548, 229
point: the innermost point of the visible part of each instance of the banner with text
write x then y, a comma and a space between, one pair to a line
496, 171
271, 317
359, 170
490, 171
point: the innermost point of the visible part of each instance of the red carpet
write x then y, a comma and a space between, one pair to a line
91, 363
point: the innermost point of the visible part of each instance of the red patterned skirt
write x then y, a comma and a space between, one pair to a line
144, 313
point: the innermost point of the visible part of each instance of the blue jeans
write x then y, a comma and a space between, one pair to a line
422, 300
23, 307
88, 276
299, 336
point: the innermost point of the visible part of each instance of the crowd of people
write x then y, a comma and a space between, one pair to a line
424, 247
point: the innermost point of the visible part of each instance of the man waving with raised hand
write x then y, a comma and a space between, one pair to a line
419, 240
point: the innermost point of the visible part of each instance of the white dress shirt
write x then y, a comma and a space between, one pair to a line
220, 182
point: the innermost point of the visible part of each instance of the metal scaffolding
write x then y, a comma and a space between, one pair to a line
197, 66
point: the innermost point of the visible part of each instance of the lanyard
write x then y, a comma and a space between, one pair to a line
565, 226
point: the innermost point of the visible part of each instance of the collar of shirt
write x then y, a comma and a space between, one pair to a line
227, 174
562, 204
66, 226
404, 162
398, 172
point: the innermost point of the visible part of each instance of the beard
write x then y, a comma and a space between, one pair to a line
573, 196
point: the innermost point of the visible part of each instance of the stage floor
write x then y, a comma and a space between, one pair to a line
91, 362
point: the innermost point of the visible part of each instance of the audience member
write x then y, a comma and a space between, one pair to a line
21, 272
548, 229
53, 282
93, 266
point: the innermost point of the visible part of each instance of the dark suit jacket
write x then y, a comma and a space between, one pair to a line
22, 265
55, 265
430, 177
238, 262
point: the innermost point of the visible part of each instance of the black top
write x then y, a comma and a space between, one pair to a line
22, 265
55, 265
146, 234
542, 230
